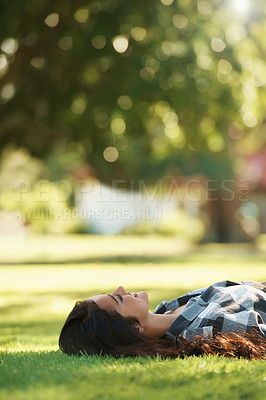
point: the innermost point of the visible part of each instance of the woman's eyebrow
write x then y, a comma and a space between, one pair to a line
113, 298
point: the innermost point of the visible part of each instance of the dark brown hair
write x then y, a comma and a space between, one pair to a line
91, 330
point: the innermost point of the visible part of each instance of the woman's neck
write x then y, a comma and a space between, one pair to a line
158, 324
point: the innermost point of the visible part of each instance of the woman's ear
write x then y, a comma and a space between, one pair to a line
139, 328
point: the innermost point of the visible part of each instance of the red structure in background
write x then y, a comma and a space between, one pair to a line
256, 169
256, 174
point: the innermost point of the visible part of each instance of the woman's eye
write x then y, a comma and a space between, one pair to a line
120, 297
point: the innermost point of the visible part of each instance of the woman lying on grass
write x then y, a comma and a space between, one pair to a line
227, 318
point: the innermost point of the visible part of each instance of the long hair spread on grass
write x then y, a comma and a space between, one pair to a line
91, 330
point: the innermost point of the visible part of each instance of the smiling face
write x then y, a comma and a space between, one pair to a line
125, 303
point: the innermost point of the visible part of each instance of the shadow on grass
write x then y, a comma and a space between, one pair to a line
130, 259
196, 255
21, 370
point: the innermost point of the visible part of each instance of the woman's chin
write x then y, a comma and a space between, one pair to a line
143, 296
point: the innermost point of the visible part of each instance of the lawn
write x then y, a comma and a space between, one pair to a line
40, 279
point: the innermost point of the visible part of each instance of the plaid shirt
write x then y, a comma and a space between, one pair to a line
222, 307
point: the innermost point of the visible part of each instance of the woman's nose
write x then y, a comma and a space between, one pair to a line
120, 290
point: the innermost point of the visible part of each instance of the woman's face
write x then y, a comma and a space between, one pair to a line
125, 303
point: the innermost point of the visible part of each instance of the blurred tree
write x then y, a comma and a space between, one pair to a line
134, 89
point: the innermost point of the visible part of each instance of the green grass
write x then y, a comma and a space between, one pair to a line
42, 277
52, 375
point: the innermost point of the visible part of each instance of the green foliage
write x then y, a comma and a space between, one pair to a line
167, 87
45, 209
33, 200
175, 223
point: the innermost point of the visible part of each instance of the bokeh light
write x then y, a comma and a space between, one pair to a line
124, 102
3, 65
167, 2
82, 15
180, 21
217, 45
8, 92
249, 214
110, 154
52, 20
240, 7
118, 126
138, 33
65, 43
249, 119
121, 143
101, 119
204, 7
235, 33
78, 106
9, 46
120, 43
224, 67
37, 62
98, 41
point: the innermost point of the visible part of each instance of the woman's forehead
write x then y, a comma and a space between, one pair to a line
103, 301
